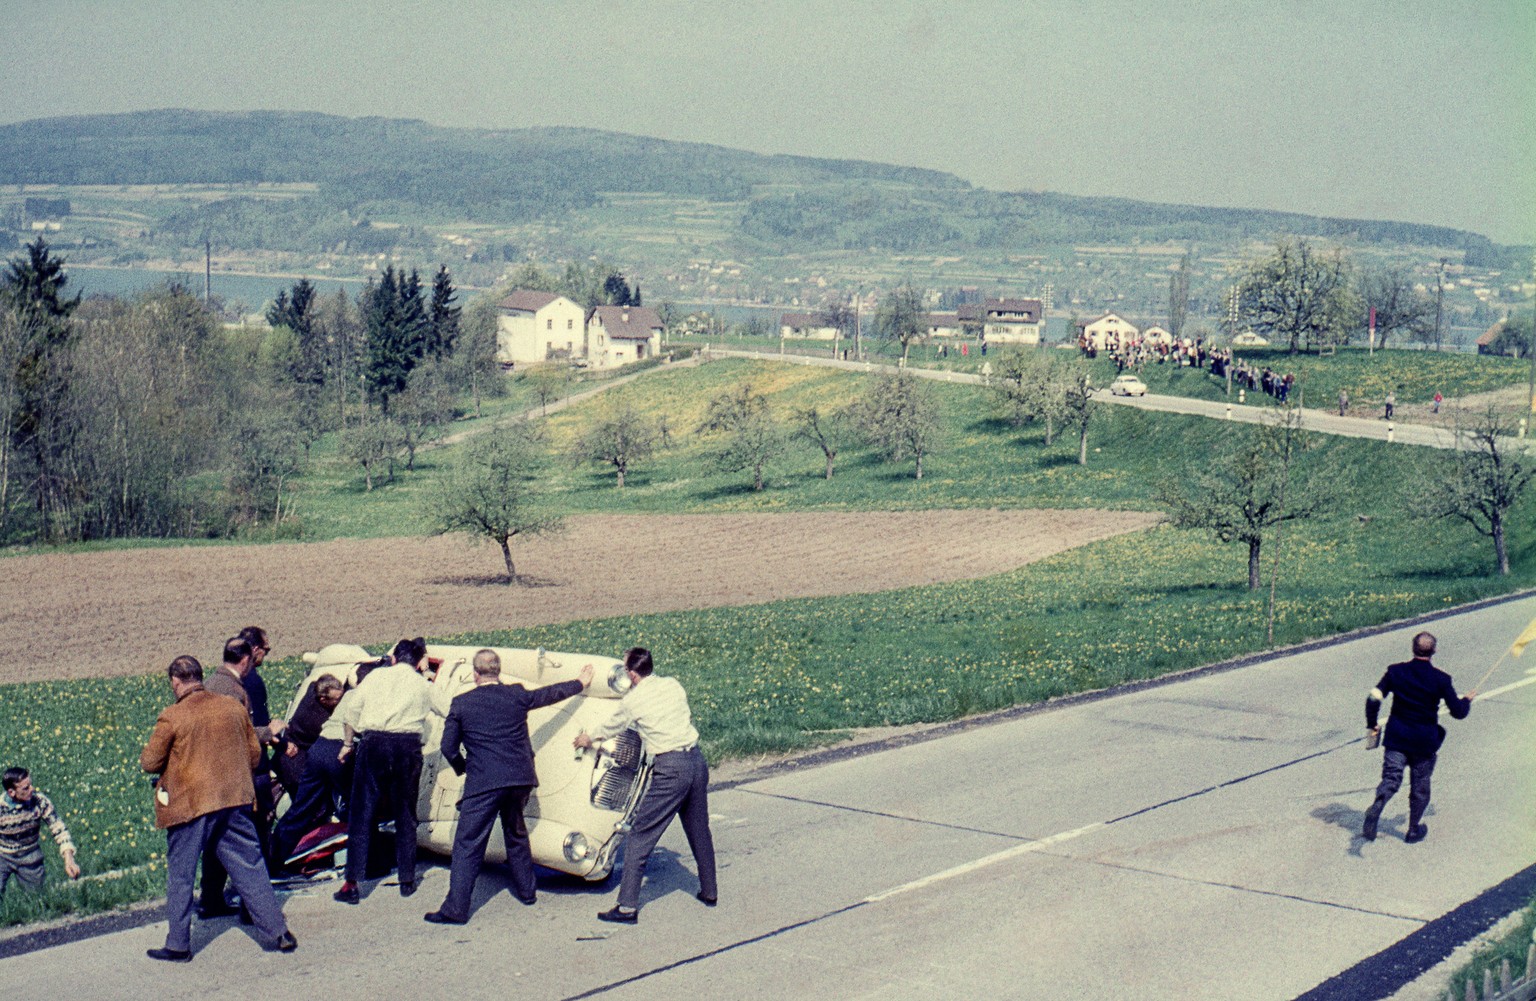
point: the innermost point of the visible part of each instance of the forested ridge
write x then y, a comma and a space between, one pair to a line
416, 173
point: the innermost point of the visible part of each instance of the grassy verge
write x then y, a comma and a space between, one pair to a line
1512, 947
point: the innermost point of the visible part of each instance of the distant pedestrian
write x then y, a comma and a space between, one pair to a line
1391, 404
1435, 407
658, 708
204, 748
1414, 733
1343, 402
23, 812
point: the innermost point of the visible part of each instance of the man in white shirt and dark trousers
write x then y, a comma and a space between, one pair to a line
658, 708
389, 712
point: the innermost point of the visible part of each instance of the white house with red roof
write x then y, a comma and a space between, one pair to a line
539, 326
618, 335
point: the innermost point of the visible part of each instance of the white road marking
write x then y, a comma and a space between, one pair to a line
1056, 839
982, 863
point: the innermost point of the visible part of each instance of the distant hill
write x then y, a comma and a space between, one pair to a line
415, 173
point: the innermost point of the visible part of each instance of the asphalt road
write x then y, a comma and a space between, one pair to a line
1323, 421
1194, 839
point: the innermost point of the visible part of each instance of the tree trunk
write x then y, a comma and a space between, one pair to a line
1497, 526
919, 473
1254, 583
829, 465
1082, 445
506, 554
757, 476
621, 477
1050, 432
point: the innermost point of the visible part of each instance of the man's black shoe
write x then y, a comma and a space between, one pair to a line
170, 955
706, 901
346, 895
407, 889
210, 911
286, 942
1368, 831
439, 918
527, 901
1416, 834
619, 916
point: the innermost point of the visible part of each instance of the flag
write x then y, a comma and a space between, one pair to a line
1524, 639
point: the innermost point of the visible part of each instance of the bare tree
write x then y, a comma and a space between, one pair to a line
620, 439
900, 418
1178, 295
900, 318
1250, 486
1032, 388
1300, 296
548, 383
829, 431
753, 436
1481, 481
1399, 306
495, 491
1077, 406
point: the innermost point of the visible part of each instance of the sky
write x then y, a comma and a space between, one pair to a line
1380, 109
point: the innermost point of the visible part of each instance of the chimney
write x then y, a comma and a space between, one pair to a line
624, 316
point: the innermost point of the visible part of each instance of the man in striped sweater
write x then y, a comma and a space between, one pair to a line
23, 812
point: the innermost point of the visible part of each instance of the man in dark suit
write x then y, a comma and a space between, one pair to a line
1414, 733
490, 721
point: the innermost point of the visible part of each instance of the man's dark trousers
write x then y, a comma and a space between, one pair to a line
1421, 769
477, 813
388, 767
323, 782
680, 788
214, 876
228, 835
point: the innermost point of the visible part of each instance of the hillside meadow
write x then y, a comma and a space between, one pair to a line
799, 673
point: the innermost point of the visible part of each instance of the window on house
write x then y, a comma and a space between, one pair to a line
549, 324
570, 324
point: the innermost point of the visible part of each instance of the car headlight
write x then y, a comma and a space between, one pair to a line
575, 847
618, 679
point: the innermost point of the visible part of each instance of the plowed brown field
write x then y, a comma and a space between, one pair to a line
128, 612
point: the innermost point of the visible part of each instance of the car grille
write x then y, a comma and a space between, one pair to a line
613, 789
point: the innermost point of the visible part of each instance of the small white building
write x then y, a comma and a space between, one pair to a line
1156, 335
943, 325
1013, 321
1107, 331
806, 326
539, 326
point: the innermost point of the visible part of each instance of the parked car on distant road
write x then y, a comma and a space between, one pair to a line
1127, 385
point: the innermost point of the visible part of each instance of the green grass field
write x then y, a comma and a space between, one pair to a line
796, 674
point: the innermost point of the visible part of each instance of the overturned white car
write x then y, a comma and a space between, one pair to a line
585, 801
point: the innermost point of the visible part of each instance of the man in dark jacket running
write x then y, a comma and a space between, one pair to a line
1414, 733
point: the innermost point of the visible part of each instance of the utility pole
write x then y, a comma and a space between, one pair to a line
1530, 349
1439, 303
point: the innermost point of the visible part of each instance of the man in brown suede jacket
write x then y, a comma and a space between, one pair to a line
203, 749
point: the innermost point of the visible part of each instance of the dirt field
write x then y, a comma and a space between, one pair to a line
130, 612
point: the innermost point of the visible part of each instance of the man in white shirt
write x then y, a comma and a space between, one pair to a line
388, 711
657, 708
